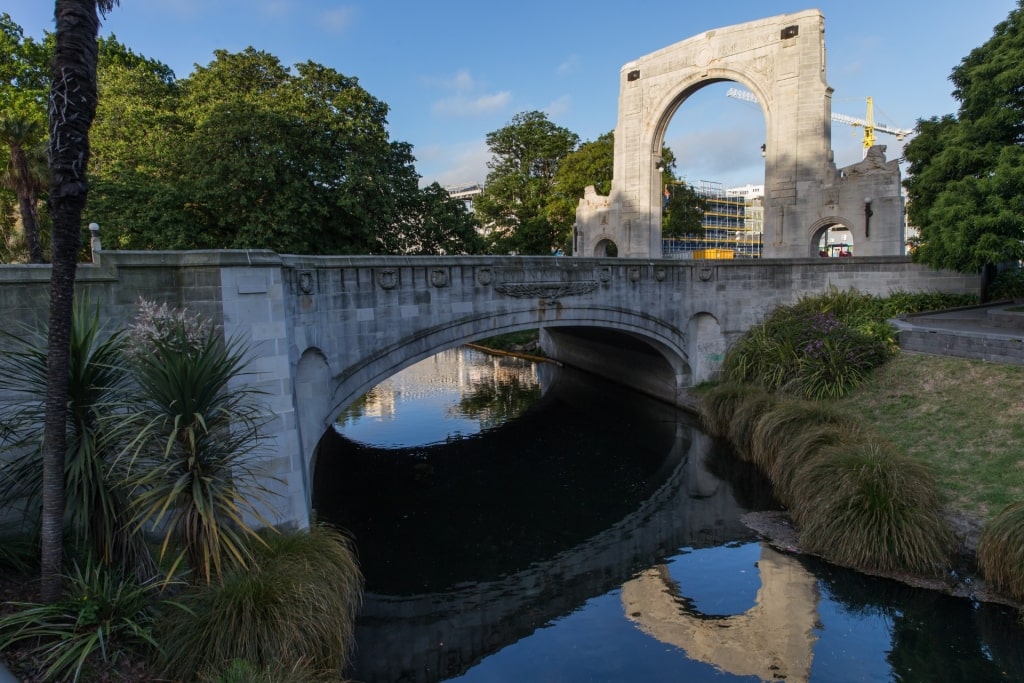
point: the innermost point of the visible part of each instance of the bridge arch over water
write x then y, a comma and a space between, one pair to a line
324, 329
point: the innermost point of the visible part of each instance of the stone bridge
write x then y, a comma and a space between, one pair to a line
325, 329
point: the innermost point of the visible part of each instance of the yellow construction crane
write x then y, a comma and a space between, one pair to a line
867, 123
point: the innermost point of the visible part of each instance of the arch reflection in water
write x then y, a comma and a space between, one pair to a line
772, 640
436, 635
491, 559
472, 544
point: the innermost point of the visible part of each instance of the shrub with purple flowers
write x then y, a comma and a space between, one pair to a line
810, 350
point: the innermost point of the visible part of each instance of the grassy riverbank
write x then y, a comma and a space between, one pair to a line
963, 417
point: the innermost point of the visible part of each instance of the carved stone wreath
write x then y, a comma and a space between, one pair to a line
306, 282
387, 278
545, 290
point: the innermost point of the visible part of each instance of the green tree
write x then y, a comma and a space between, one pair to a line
70, 111
26, 172
965, 185
298, 161
683, 210
432, 223
134, 140
23, 87
513, 206
591, 164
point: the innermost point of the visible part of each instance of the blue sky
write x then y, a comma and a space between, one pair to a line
452, 71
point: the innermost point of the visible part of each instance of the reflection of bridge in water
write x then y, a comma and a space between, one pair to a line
432, 636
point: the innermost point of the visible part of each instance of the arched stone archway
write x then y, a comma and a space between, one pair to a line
782, 60
821, 228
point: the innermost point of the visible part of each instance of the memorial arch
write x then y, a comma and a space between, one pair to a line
782, 61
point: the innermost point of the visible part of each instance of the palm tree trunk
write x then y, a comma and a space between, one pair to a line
72, 106
27, 199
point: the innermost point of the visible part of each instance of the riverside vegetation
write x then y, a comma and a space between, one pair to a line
872, 452
167, 577
139, 470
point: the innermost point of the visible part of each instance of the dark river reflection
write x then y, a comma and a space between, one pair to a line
528, 523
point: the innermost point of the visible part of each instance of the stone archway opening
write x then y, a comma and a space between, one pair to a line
781, 60
606, 248
717, 142
834, 240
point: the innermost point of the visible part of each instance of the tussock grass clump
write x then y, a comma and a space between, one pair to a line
745, 419
803, 447
242, 671
784, 422
719, 404
1001, 551
295, 606
869, 507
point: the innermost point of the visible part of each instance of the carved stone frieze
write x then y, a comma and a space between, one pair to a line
545, 290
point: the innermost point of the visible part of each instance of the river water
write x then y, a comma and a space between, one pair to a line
523, 522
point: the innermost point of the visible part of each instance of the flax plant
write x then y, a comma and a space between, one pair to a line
101, 618
188, 442
96, 501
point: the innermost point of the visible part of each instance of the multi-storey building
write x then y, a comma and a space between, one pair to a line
733, 225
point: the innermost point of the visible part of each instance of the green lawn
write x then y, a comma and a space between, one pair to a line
965, 417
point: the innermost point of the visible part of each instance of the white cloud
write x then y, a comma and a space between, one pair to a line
461, 163
569, 66
276, 8
558, 107
462, 81
464, 105
469, 98
337, 20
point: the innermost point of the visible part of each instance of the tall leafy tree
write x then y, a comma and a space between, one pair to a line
23, 88
526, 155
26, 172
965, 185
71, 107
683, 213
593, 163
296, 160
134, 184
433, 223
